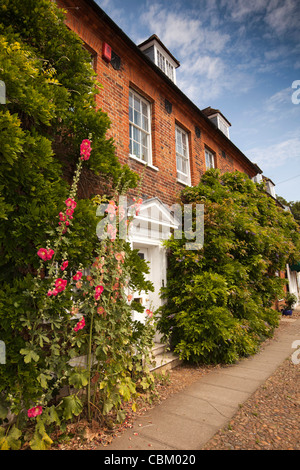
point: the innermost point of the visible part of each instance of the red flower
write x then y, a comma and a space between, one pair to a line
60, 284
45, 254
85, 149
149, 313
70, 203
69, 212
62, 216
33, 412
64, 265
80, 325
77, 276
98, 292
42, 253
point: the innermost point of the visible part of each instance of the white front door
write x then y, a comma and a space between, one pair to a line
155, 256
142, 297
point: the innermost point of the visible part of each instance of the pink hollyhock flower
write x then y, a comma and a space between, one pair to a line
50, 253
42, 253
70, 203
77, 276
70, 212
112, 232
80, 325
62, 217
33, 412
85, 149
98, 291
149, 313
100, 310
45, 254
60, 284
64, 265
119, 256
129, 297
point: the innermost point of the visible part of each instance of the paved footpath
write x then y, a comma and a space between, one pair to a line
188, 419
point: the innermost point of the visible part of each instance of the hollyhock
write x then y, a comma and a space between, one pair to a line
85, 149
77, 276
64, 265
100, 310
69, 212
62, 217
112, 232
80, 325
129, 297
60, 284
50, 253
149, 313
98, 291
119, 256
45, 254
33, 412
70, 203
42, 253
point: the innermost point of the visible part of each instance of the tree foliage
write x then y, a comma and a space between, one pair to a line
50, 108
219, 299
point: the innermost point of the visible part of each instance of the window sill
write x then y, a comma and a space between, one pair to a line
148, 165
183, 182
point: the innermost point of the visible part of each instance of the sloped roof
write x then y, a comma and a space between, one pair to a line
211, 112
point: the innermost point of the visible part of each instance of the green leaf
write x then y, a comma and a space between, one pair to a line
40, 440
11, 440
79, 378
108, 405
29, 354
71, 406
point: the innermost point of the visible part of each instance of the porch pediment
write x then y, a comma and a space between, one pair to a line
154, 221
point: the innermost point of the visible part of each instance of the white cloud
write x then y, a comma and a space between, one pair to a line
183, 31
284, 17
276, 155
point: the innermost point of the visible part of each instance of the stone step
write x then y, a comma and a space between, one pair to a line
163, 359
158, 349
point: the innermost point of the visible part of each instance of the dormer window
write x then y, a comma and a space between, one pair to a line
218, 119
159, 54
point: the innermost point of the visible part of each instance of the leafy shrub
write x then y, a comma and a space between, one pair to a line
218, 300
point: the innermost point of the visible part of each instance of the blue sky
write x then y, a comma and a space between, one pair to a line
240, 56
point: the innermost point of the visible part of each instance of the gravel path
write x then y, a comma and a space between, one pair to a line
270, 419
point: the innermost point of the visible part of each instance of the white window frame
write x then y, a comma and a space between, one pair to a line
209, 160
139, 129
165, 65
182, 154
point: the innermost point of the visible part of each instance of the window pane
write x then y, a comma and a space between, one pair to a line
136, 134
144, 154
145, 123
130, 114
137, 118
137, 104
179, 166
144, 139
144, 109
136, 149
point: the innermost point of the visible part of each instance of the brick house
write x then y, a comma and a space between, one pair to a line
157, 129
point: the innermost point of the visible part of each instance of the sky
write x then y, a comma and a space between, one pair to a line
241, 57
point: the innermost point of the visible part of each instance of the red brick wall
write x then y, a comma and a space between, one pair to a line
114, 99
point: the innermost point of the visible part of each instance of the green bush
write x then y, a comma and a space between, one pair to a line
218, 300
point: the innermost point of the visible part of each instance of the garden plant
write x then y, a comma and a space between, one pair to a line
220, 301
